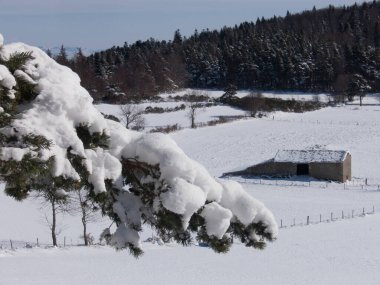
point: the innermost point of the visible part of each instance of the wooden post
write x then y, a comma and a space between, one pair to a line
331, 219
320, 218
64, 241
11, 244
38, 244
307, 220
281, 223
342, 215
363, 211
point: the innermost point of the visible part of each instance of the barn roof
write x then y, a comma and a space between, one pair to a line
306, 156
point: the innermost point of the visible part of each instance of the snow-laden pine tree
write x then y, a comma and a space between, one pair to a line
53, 140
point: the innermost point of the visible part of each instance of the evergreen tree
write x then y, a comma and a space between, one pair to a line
57, 149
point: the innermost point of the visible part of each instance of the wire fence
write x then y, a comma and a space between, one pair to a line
366, 184
328, 217
13, 244
322, 122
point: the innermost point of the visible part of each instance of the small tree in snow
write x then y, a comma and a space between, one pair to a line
132, 116
358, 87
255, 103
194, 106
81, 204
57, 202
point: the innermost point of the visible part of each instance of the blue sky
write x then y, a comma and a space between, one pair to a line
97, 24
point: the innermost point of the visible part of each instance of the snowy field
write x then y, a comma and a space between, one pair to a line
342, 252
179, 117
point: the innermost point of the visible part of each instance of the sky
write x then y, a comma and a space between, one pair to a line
99, 24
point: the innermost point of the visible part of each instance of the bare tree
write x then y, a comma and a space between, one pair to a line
132, 117
255, 102
316, 98
80, 203
194, 105
57, 201
192, 113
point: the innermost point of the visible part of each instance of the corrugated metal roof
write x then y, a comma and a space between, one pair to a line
306, 156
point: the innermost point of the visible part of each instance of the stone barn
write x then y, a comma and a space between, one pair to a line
321, 164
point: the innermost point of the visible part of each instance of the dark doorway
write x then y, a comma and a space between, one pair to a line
302, 169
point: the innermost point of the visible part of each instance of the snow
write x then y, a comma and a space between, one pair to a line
12, 153
24, 76
101, 166
6, 78
184, 199
306, 156
217, 219
330, 253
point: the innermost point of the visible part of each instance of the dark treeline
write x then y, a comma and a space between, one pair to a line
331, 50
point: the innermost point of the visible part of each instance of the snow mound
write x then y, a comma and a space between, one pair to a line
62, 105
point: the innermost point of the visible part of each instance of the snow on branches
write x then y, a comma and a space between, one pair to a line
52, 137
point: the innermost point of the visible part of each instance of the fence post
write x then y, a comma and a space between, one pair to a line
320, 218
64, 241
38, 244
342, 215
281, 223
294, 222
363, 211
331, 219
307, 220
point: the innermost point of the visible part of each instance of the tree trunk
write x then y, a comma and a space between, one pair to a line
85, 237
54, 223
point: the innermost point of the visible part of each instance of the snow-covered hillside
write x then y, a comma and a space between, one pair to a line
345, 251
342, 252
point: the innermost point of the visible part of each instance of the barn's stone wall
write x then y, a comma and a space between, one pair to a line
328, 171
347, 175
